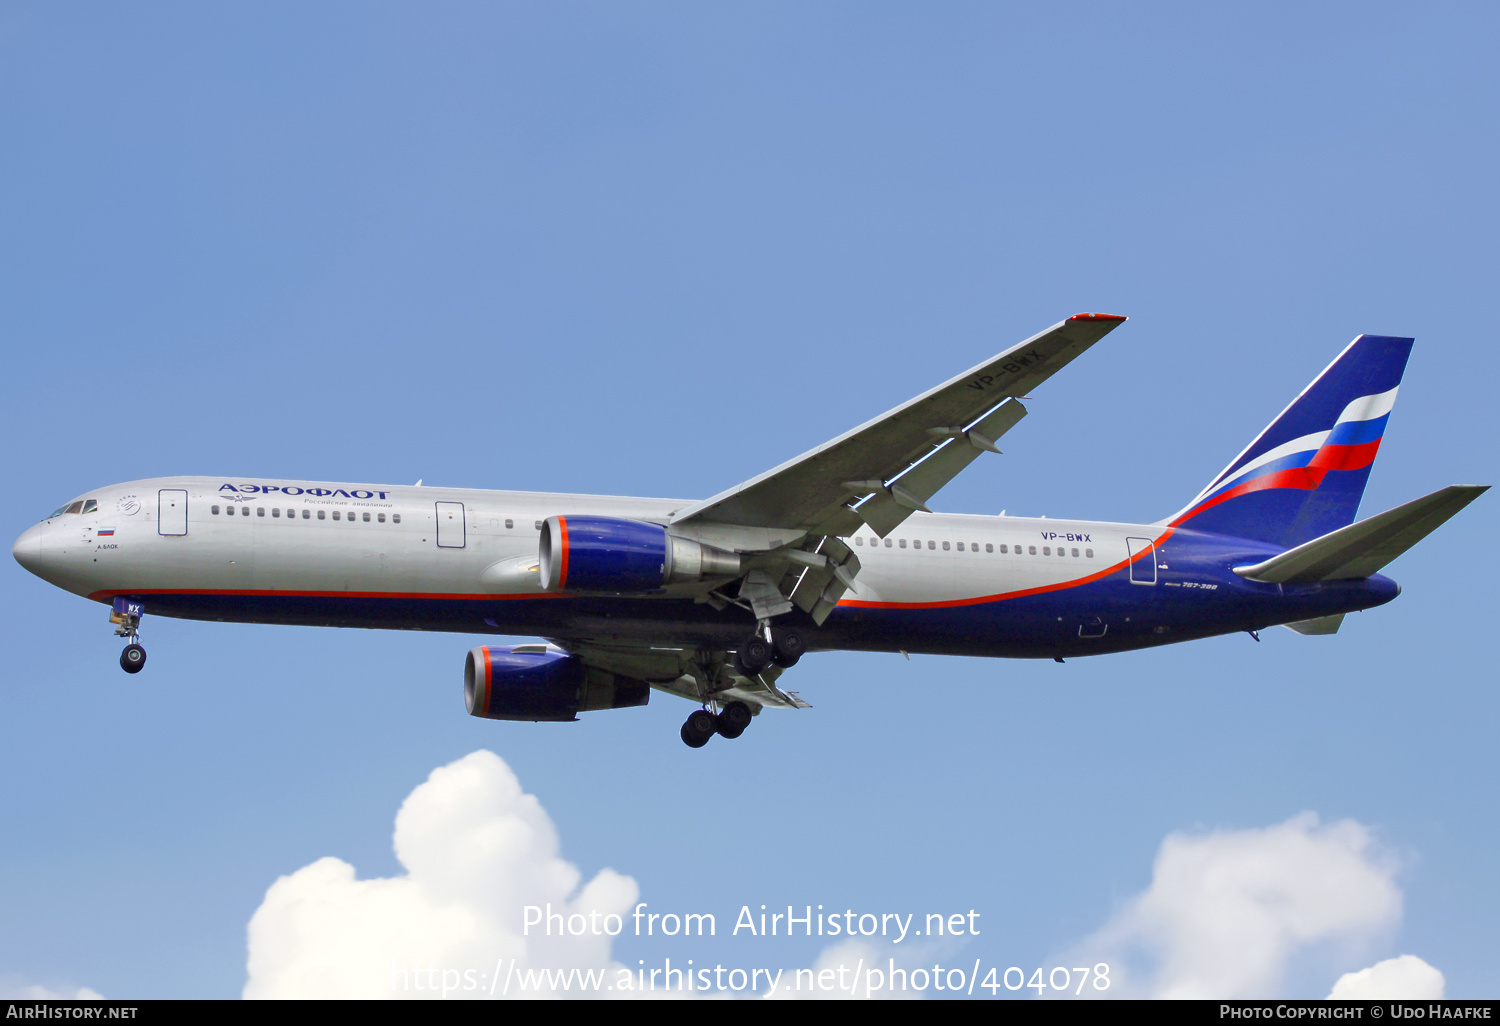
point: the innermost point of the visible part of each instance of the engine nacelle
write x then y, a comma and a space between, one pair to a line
535, 682
607, 554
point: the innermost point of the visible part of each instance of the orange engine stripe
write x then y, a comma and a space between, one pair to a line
488, 674
562, 529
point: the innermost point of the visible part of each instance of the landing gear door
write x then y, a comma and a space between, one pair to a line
451, 531
1142, 561
171, 512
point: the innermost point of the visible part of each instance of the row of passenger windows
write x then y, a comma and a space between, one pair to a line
291, 514
1005, 549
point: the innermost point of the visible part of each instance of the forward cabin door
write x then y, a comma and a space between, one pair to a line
171, 511
451, 531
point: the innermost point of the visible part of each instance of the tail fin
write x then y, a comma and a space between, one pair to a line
1303, 476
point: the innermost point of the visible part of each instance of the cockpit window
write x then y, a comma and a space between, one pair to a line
90, 505
74, 507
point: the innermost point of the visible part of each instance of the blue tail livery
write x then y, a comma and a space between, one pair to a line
1303, 476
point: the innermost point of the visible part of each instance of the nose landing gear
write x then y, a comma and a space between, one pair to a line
133, 659
126, 616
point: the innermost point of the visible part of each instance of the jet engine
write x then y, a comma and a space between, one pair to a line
538, 682
606, 554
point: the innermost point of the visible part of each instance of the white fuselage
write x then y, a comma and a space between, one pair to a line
239, 536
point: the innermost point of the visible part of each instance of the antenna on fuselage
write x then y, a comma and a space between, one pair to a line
418, 484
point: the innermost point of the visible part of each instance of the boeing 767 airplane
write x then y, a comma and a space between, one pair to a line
714, 599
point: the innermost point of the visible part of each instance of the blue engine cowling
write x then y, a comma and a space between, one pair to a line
536, 682
580, 553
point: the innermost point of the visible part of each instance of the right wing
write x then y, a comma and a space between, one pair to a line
944, 428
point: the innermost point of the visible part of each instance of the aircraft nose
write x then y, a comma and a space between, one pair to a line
28, 548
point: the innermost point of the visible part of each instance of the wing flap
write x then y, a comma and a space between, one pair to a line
825, 582
1361, 549
889, 506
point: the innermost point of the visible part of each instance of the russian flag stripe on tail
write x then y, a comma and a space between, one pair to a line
1303, 476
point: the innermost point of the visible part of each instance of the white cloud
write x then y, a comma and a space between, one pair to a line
35, 992
1406, 978
476, 851
1226, 910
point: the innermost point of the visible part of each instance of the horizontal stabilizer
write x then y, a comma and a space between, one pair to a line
1361, 549
1317, 625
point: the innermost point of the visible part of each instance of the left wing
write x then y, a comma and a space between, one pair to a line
900, 459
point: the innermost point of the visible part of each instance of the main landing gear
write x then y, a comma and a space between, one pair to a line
703, 725
126, 616
784, 647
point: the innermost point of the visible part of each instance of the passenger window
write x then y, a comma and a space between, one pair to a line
859, 541
1004, 549
323, 514
946, 547
1075, 553
932, 544
960, 546
275, 511
1031, 549
989, 547
903, 543
538, 525
244, 511
887, 543
380, 517
395, 518
306, 514
260, 511
365, 518
1088, 553
1046, 550
335, 514
214, 510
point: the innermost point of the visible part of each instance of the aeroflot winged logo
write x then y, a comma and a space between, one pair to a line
341, 493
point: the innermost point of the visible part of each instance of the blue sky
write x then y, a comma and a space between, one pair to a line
655, 249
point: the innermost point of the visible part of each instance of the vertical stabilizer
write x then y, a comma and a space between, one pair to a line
1303, 476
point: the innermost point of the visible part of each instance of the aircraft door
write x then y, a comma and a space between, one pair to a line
171, 512
451, 532
1143, 569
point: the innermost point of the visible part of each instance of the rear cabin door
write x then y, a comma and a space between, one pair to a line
171, 511
1143, 569
450, 525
